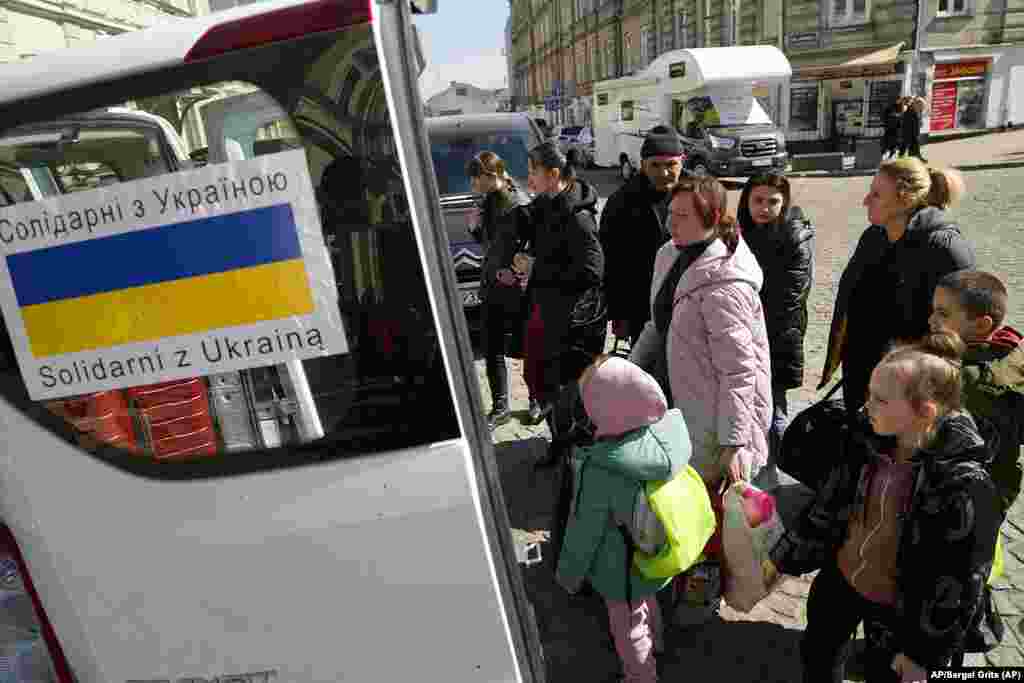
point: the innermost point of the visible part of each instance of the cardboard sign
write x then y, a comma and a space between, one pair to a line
209, 270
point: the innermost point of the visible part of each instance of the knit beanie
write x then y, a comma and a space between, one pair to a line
620, 397
662, 141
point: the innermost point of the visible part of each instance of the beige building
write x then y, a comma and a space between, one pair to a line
31, 27
463, 98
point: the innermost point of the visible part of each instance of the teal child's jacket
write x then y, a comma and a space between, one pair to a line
608, 476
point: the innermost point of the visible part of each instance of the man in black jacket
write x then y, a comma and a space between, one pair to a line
634, 225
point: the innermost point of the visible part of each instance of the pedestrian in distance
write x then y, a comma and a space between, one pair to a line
972, 304
633, 228
886, 289
893, 121
781, 238
903, 530
910, 128
567, 319
497, 227
636, 440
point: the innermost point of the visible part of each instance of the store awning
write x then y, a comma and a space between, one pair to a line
882, 62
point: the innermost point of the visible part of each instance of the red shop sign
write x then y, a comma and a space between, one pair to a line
943, 106
961, 70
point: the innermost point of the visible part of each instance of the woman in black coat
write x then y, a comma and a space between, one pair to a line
497, 228
782, 240
910, 128
885, 292
567, 318
892, 140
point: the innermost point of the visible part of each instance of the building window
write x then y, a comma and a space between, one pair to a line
803, 107
627, 53
951, 8
626, 110
460, 92
597, 62
682, 26
847, 12
609, 59
645, 49
579, 9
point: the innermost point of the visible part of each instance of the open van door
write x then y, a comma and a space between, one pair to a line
166, 506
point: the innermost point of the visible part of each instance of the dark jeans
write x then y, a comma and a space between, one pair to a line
780, 418
834, 609
493, 324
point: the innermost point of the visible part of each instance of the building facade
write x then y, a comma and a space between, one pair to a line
463, 98
560, 48
851, 58
31, 27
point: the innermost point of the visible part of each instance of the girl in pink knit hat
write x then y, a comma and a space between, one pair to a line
636, 439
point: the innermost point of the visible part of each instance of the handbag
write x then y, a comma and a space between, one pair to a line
812, 436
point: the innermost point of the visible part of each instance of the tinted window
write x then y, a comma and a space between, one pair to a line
271, 301
451, 150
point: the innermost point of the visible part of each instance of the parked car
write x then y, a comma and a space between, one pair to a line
454, 140
577, 144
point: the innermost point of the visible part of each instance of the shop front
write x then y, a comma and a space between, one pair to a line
958, 95
830, 107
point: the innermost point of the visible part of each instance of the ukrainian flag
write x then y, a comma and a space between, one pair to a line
210, 273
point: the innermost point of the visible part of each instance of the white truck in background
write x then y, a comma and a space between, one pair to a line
708, 96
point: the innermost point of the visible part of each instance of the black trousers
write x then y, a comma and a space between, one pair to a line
834, 609
493, 325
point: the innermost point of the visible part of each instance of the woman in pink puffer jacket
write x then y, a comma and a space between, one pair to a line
717, 343
707, 334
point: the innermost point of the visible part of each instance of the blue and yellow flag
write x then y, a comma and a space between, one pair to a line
217, 272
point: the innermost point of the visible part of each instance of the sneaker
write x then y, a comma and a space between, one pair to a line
498, 416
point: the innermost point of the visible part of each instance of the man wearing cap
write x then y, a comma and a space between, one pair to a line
633, 228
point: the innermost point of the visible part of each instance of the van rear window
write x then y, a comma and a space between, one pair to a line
271, 301
451, 151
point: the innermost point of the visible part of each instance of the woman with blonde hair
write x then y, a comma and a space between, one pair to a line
885, 291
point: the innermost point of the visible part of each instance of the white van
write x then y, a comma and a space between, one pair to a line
241, 430
708, 96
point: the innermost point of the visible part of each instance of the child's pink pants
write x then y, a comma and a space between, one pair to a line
636, 627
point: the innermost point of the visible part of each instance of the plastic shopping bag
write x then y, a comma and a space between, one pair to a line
750, 527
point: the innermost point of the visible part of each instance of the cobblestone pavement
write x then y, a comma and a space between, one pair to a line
764, 645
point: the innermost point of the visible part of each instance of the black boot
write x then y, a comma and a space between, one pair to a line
500, 413
497, 377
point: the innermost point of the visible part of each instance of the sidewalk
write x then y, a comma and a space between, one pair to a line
988, 150
762, 646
